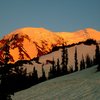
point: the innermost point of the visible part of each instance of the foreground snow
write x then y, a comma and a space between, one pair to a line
82, 85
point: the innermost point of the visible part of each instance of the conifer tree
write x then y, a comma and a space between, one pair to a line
4, 89
53, 71
35, 76
66, 52
50, 75
58, 68
76, 61
88, 61
97, 57
43, 74
94, 60
97, 54
82, 63
71, 69
64, 60
98, 68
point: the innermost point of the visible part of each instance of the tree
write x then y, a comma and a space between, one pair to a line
58, 68
50, 75
97, 54
43, 77
71, 69
76, 61
64, 60
97, 57
4, 88
53, 71
35, 76
82, 63
98, 68
88, 61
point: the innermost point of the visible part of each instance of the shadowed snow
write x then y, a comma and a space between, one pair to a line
82, 85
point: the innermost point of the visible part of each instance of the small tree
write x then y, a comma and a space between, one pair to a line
53, 72
71, 69
50, 75
76, 61
58, 68
82, 63
43, 77
35, 76
88, 61
97, 58
64, 60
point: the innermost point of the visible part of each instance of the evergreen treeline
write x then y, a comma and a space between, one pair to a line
97, 57
13, 77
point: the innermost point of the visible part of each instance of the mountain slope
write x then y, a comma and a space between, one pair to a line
82, 85
81, 50
27, 43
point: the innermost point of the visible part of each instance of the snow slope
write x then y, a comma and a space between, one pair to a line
82, 85
81, 50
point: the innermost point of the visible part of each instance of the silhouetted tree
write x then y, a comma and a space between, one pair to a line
35, 76
97, 57
82, 63
43, 77
43, 74
64, 60
76, 61
94, 60
71, 69
50, 75
4, 89
97, 54
19, 79
53, 72
58, 68
88, 61
98, 68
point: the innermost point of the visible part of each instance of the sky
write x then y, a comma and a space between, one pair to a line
54, 15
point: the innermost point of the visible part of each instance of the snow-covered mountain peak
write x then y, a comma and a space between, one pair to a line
28, 42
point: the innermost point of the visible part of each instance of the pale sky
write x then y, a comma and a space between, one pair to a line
55, 15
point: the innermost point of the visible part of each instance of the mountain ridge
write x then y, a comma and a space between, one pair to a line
28, 42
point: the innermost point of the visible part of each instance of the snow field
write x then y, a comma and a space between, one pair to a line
81, 85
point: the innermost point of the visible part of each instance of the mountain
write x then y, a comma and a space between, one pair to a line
81, 85
81, 35
27, 43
